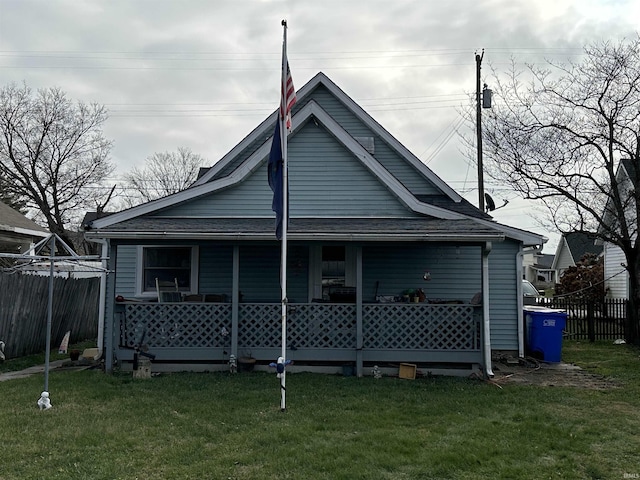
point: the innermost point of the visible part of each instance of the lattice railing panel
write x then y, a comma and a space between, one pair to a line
260, 325
308, 326
392, 326
176, 325
417, 327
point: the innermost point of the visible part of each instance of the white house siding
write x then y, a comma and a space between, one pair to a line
616, 279
563, 259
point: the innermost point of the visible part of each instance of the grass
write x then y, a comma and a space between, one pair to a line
217, 426
20, 363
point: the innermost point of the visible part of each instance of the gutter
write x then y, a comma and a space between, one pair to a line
419, 237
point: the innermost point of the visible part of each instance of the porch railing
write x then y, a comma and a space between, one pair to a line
315, 331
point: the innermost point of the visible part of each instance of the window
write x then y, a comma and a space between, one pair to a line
168, 265
332, 270
333, 266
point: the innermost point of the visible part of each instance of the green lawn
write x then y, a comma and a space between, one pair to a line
217, 426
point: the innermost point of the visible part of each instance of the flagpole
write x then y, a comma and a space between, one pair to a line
285, 212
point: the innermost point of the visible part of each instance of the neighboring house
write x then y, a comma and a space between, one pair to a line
616, 276
538, 269
370, 226
571, 248
17, 233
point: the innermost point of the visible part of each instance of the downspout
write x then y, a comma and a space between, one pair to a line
520, 302
486, 337
104, 255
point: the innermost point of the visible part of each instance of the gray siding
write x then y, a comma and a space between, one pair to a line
125, 282
216, 269
327, 180
401, 267
388, 157
260, 273
503, 297
324, 180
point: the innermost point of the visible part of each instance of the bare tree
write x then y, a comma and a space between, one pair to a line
559, 139
163, 174
53, 154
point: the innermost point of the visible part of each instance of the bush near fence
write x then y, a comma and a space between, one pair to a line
24, 306
592, 320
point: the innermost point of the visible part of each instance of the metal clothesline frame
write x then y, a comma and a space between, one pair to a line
53, 242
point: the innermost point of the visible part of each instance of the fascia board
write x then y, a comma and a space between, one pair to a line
258, 132
527, 238
24, 231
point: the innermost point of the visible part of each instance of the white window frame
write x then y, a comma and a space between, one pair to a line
195, 253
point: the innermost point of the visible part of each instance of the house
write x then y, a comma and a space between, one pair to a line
615, 274
17, 233
386, 263
571, 248
537, 268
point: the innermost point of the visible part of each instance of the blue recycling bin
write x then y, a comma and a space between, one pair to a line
544, 332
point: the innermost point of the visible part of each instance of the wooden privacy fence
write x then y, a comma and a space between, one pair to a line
592, 320
23, 311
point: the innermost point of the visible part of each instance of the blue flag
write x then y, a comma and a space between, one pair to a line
275, 170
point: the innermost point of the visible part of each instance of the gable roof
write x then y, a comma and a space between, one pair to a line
251, 153
267, 126
576, 244
630, 170
14, 222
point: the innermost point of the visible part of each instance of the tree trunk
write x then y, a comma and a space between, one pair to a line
632, 330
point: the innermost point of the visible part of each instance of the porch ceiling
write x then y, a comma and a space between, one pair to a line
338, 229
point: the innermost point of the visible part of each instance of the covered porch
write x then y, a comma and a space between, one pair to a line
237, 310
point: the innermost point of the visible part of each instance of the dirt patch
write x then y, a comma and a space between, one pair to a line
550, 375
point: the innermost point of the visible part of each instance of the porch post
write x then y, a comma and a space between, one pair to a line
235, 300
359, 339
486, 323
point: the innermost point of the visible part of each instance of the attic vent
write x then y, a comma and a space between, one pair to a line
367, 143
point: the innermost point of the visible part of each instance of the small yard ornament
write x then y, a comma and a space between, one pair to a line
233, 363
2, 351
376, 372
44, 403
280, 365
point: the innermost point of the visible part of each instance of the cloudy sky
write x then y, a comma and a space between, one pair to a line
202, 73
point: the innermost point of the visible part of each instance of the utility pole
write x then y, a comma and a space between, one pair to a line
479, 133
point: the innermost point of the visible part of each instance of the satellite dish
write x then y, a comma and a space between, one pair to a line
490, 204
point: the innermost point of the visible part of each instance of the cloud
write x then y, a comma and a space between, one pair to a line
203, 74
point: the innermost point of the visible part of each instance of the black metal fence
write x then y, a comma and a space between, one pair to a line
23, 311
591, 320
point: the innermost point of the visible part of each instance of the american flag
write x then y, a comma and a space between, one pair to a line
288, 98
